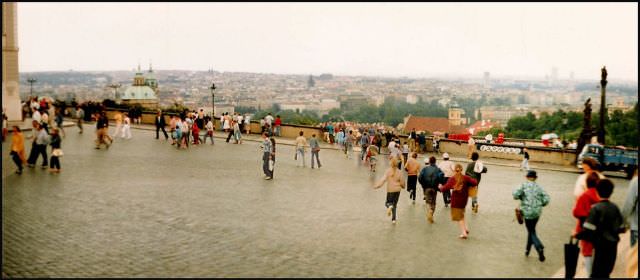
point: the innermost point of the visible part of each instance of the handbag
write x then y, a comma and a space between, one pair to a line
571, 252
519, 216
57, 152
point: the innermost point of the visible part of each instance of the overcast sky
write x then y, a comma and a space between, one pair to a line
383, 39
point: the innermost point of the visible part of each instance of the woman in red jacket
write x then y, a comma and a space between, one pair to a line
581, 212
459, 196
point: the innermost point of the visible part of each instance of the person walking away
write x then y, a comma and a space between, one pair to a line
17, 148
237, 133
266, 156
59, 118
247, 124
80, 116
475, 170
448, 169
56, 151
364, 143
373, 154
459, 184
436, 144
126, 127
405, 153
118, 119
301, 142
630, 208
525, 160
348, 142
395, 183
178, 133
412, 140
532, 198
430, 178
602, 228
209, 131
195, 132
39, 147
331, 133
230, 130
315, 150
160, 124
422, 143
277, 124
272, 161
269, 123
412, 168
172, 129
471, 147
581, 212
185, 133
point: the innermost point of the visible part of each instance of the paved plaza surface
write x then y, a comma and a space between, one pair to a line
144, 208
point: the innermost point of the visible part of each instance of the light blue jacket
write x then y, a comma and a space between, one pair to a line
532, 198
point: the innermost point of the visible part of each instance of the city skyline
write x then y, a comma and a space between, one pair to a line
363, 39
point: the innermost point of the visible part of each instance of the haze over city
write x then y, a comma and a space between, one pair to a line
375, 39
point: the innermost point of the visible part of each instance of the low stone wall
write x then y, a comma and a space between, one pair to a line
536, 153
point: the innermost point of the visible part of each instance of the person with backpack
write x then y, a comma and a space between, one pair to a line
475, 170
430, 177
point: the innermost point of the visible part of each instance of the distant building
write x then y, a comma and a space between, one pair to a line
453, 125
482, 125
143, 90
353, 101
412, 99
487, 80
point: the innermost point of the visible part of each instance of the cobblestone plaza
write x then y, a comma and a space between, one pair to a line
145, 209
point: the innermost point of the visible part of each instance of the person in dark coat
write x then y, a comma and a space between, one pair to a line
160, 124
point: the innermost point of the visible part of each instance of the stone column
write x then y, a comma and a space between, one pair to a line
10, 77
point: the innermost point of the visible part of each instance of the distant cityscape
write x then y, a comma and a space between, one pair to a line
501, 98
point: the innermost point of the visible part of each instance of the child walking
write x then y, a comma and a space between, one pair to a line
395, 183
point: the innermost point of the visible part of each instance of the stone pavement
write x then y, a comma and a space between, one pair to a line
142, 208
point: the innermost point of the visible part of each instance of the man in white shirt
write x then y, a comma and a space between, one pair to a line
448, 168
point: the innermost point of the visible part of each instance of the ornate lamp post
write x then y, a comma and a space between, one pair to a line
115, 87
31, 81
213, 104
603, 108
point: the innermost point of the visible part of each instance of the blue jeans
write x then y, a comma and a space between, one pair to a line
315, 154
532, 237
300, 152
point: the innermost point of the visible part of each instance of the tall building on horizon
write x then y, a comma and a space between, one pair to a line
487, 79
11, 104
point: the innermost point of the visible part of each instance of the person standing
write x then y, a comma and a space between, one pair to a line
247, 124
373, 152
315, 150
331, 131
80, 116
348, 142
448, 169
436, 144
475, 170
459, 184
39, 147
471, 147
395, 183
364, 143
301, 143
267, 154
532, 198
630, 208
277, 124
172, 129
160, 124
195, 133
430, 177
59, 118
525, 160
17, 148
413, 137
56, 151
126, 127
209, 131
118, 118
269, 123
581, 212
422, 143
602, 227
412, 168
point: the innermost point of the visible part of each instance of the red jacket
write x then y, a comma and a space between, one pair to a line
581, 212
278, 122
459, 198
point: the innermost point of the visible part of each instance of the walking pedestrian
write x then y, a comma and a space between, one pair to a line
364, 143
373, 152
209, 131
471, 146
301, 143
195, 131
160, 124
80, 116
395, 183
525, 160
630, 208
430, 178
267, 154
589, 165
59, 119
448, 169
581, 212
348, 142
602, 227
118, 119
17, 148
315, 150
39, 147
412, 168
126, 127
237, 133
459, 184
475, 170
532, 198
56, 151
277, 124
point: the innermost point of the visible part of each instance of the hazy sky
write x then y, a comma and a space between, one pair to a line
387, 39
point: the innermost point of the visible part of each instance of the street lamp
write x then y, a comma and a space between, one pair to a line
213, 104
31, 81
115, 87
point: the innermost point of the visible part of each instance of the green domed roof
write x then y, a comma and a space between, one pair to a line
139, 92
